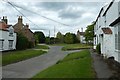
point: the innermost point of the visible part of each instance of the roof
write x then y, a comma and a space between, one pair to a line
108, 7
82, 33
3, 26
107, 30
115, 22
99, 14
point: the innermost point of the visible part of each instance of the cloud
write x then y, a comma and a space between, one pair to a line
75, 14
71, 13
54, 6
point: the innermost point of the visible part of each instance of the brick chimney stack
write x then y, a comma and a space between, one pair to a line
20, 19
27, 26
5, 19
20, 23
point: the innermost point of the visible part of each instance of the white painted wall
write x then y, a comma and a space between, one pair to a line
108, 40
5, 36
82, 39
112, 13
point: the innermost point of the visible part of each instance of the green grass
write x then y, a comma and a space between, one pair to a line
76, 46
41, 47
16, 56
75, 65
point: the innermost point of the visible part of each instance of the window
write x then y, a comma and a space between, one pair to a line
1, 44
10, 44
116, 41
117, 37
11, 31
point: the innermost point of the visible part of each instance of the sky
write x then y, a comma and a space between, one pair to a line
58, 15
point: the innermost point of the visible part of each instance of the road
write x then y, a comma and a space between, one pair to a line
30, 67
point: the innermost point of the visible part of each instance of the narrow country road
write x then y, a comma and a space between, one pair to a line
30, 67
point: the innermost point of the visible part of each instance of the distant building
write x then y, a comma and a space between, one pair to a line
24, 29
80, 36
107, 30
7, 36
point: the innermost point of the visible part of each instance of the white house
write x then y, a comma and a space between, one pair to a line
106, 30
80, 36
7, 36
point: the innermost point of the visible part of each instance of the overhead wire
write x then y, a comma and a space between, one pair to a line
14, 5
23, 14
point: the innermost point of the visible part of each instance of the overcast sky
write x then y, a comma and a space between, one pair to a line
71, 15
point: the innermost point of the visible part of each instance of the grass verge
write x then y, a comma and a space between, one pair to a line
41, 47
76, 47
75, 65
16, 56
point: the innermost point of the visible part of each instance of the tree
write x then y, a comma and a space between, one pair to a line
89, 33
60, 37
40, 36
22, 42
47, 40
68, 38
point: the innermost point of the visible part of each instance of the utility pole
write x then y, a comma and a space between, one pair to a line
54, 34
49, 36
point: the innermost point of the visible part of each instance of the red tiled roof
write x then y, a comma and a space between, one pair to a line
107, 30
3, 26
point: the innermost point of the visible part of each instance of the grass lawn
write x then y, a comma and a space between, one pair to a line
76, 46
75, 65
41, 47
16, 56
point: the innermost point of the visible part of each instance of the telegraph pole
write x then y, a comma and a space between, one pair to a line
49, 36
54, 34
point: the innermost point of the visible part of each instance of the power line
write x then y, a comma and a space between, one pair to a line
22, 13
37, 14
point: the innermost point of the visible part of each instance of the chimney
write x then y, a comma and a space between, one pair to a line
27, 25
20, 19
5, 19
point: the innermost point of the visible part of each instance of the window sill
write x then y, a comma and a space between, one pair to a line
117, 50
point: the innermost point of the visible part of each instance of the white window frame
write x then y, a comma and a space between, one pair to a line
10, 44
11, 32
117, 37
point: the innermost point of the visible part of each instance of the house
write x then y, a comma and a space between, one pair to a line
7, 36
107, 32
80, 36
19, 27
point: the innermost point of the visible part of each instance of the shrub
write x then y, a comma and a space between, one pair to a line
22, 42
98, 48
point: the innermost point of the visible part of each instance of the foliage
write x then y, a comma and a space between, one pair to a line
68, 38
47, 40
22, 42
51, 40
16, 56
36, 39
89, 33
75, 65
30, 44
40, 37
98, 48
60, 37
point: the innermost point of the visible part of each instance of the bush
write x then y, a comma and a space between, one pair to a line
98, 48
22, 42
31, 44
